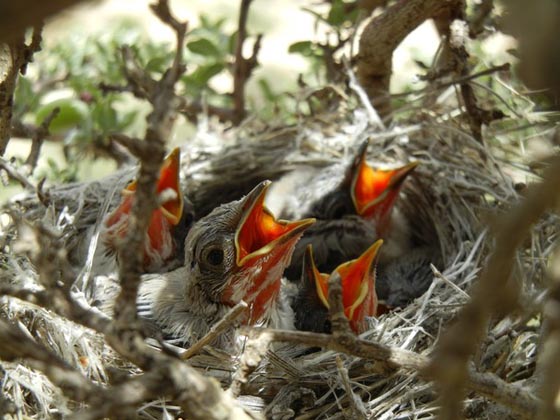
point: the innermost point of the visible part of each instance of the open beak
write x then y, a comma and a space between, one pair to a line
258, 232
172, 208
311, 273
169, 180
374, 191
264, 248
358, 284
160, 246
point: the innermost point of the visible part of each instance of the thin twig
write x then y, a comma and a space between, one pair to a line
455, 81
362, 95
14, 174
38, 137
356, 405
460, 342
151, 153
340, 325
243, 67
548, 363
16, 55
226, 322
486, 384
440, 276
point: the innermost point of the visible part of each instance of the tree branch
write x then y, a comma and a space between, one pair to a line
243, 67
486, 384
548, 363
449, 365
381, 37
16, 55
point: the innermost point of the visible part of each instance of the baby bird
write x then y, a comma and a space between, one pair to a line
359, 297
169, 223
354, 205
237, 252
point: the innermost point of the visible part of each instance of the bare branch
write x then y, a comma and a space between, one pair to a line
38, 137
380, 38
340, 324
243, 67
486, 384
14, 174
16, 57
450, 363
151, 153
356, 405
548, 363
226, 322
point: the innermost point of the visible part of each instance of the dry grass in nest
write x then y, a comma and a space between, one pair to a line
458, 188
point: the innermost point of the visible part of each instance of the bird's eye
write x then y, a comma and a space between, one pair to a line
214, 257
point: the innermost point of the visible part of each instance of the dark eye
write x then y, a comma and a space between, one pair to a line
214, 257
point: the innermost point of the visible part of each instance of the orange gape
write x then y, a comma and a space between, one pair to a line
264, 247
374, 191
358, 285
159, 244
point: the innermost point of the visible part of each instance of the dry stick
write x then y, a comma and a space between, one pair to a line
16, 176
115, 401
548, 364
486, 384
198, 396
362, 96
151, 153
495, 293
243, 67
382, 35
38, 137
455, 81
356, 405
226, 322
16, 56
456, 47
339, 323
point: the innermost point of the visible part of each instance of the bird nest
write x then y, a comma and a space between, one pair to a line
459, 187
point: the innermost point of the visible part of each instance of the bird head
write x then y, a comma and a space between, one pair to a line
374, 191
240, 250
159, 244
358, 284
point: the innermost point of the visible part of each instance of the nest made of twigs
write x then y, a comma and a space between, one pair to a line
456, 189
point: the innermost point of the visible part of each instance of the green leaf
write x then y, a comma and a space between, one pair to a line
157, 64
204, 47
232, 42
267, 91
203, 74
301, 47
105, 116
337, 15
126, 119
72, 113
